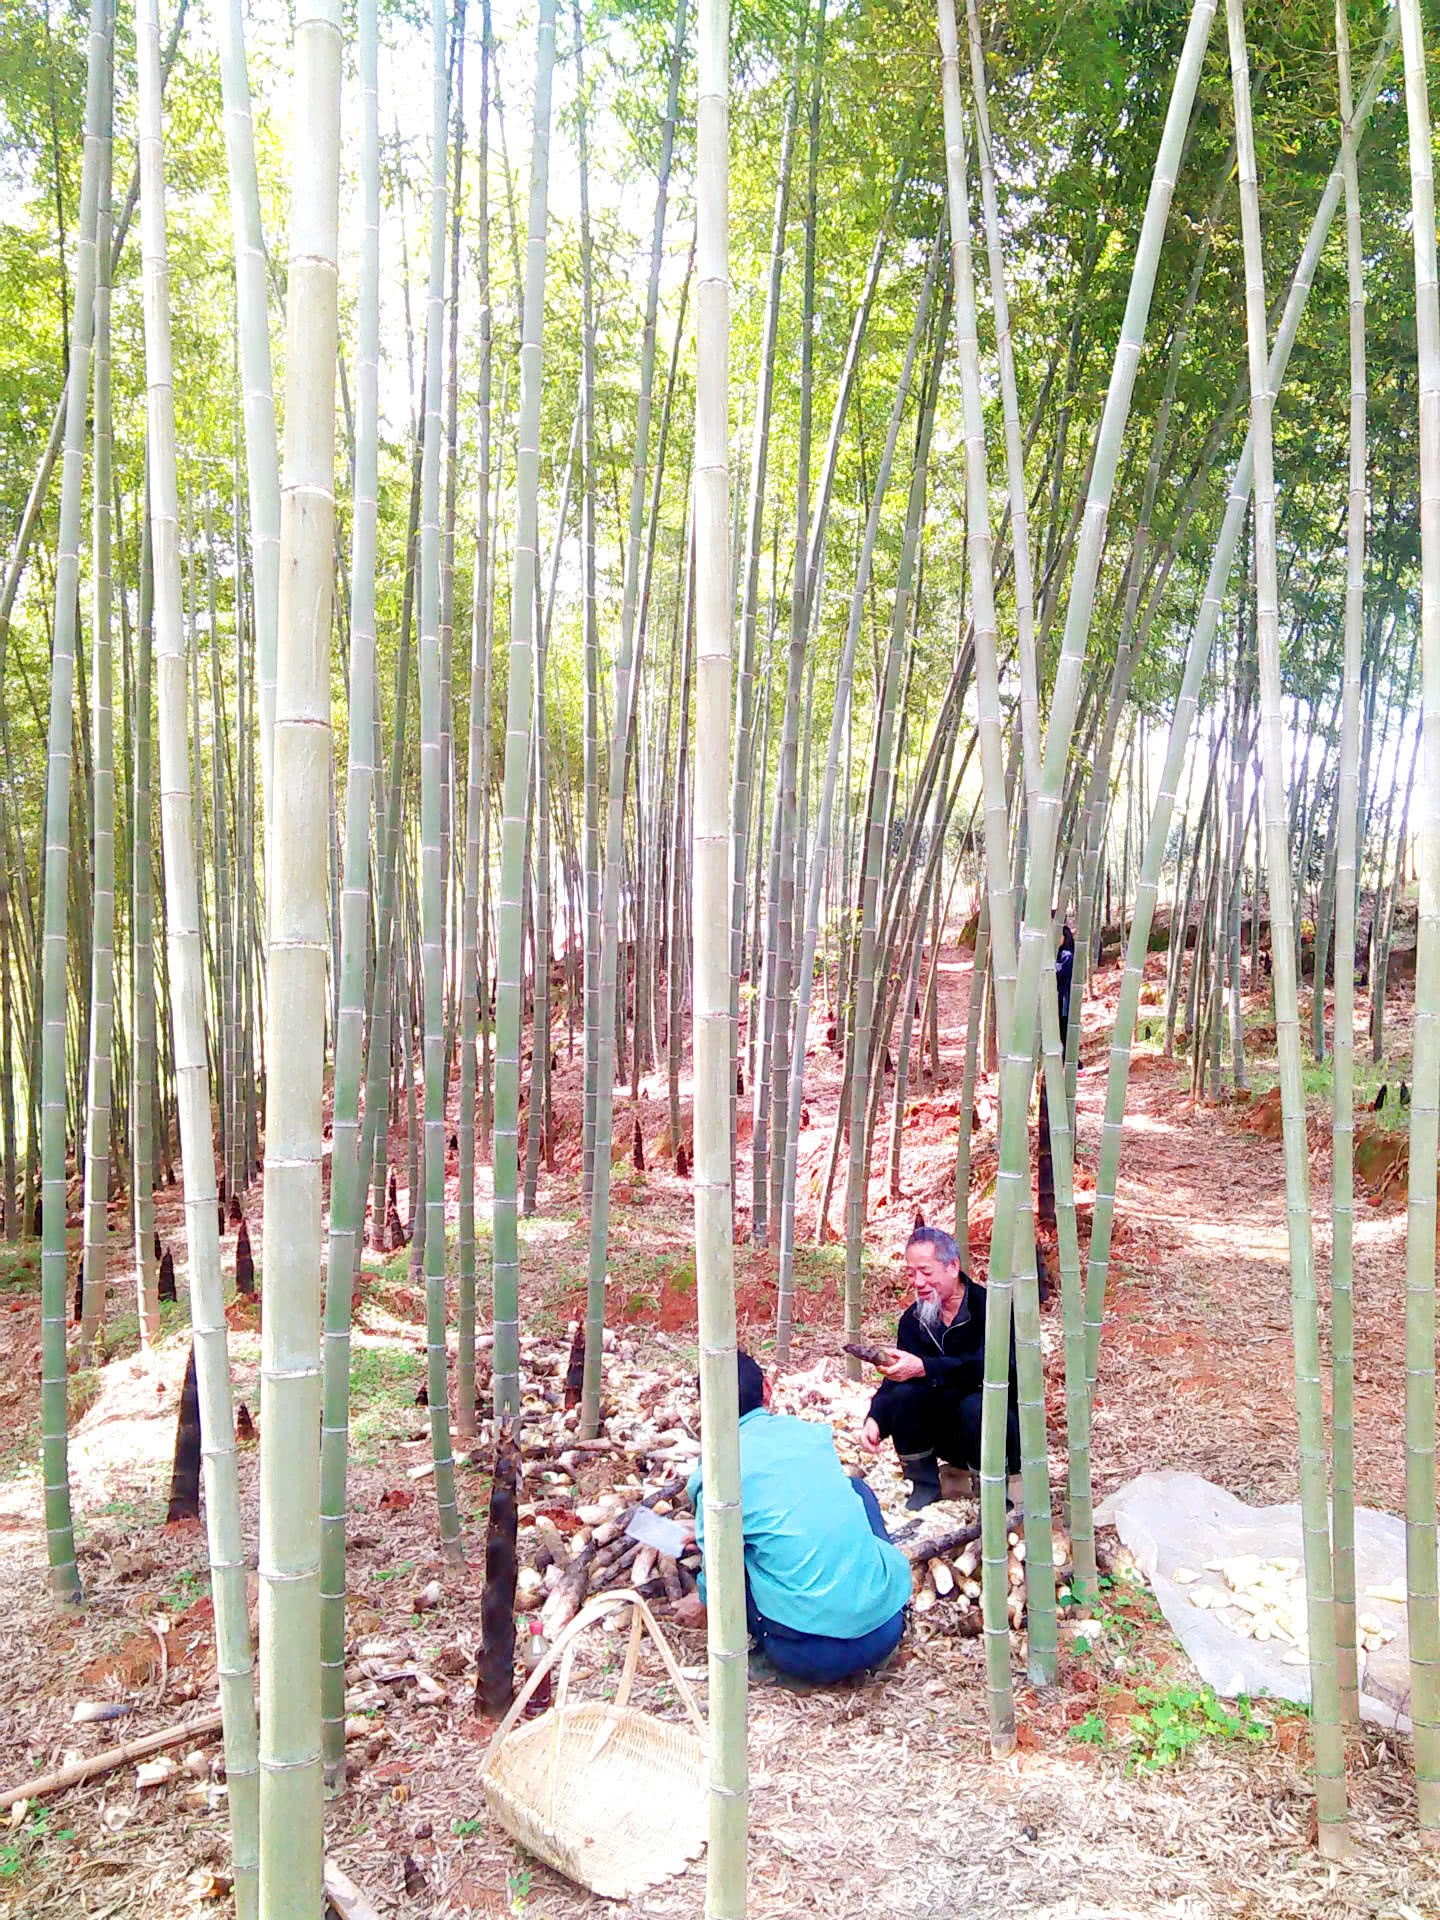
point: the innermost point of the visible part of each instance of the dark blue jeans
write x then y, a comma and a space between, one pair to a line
818, 1657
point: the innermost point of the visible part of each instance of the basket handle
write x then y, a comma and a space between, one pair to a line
672, 1665
594, 1611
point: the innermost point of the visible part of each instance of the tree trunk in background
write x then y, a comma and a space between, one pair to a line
1342, 1178
740, 797
143, 1094
477, 796
770, 1153
432, 781
262, 460
102, 944
54, 1289
509, 982
612, 980
1329, 1744
224, 1532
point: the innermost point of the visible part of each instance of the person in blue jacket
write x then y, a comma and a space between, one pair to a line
826, 1594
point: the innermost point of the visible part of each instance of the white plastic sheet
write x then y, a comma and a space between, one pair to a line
1174, 1521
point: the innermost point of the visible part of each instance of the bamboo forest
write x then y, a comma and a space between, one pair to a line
719, 959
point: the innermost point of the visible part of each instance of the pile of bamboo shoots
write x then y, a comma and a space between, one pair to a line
579, 1493
1265, 1600
947, 1581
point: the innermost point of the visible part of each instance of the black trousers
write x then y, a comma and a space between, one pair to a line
925, 1419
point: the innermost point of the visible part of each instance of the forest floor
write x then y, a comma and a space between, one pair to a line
869, 1802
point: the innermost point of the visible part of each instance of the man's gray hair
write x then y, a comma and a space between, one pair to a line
936, 1237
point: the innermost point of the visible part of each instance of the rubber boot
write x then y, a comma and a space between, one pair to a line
922, 1470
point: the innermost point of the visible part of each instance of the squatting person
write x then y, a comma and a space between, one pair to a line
929, 1402
825, 1591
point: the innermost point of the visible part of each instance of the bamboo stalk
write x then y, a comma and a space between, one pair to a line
1342, 1176
262, 461
505, 1229
1420, 1531
477, 797
713, 1046
102, 977
54, 1443
1329, 1741
183, 921
347, 1176
433, 778
291, 1785
611, 991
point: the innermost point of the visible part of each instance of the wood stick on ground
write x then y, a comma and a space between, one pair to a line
79, 1771
345, 1897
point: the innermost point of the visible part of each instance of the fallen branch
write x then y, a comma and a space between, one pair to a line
112, 1757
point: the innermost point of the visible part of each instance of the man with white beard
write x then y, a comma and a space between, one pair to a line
930, 1401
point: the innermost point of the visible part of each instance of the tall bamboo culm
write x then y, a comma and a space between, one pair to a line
262, 460
477, 798
54, 1292
510, 959
186, 965
1000, 1696
1329, 1742
710, 1017
291, 1788
102, 939
433, 773
1197, 658
142, 961
347, 1176
1424, 1606
1347, 800
622, 709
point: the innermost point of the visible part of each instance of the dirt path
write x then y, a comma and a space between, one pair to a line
867, 1804
1197, 1369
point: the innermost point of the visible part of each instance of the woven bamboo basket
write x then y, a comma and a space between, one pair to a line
606, 1794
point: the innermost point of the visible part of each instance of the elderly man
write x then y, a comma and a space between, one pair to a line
825, 1592
929, 1404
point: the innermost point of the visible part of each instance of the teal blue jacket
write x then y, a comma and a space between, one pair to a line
812, 1562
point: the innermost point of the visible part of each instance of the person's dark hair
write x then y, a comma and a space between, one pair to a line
936, 1237
749, 1379
752, 1383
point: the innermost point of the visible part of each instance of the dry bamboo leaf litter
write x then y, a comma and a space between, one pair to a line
854, 1791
